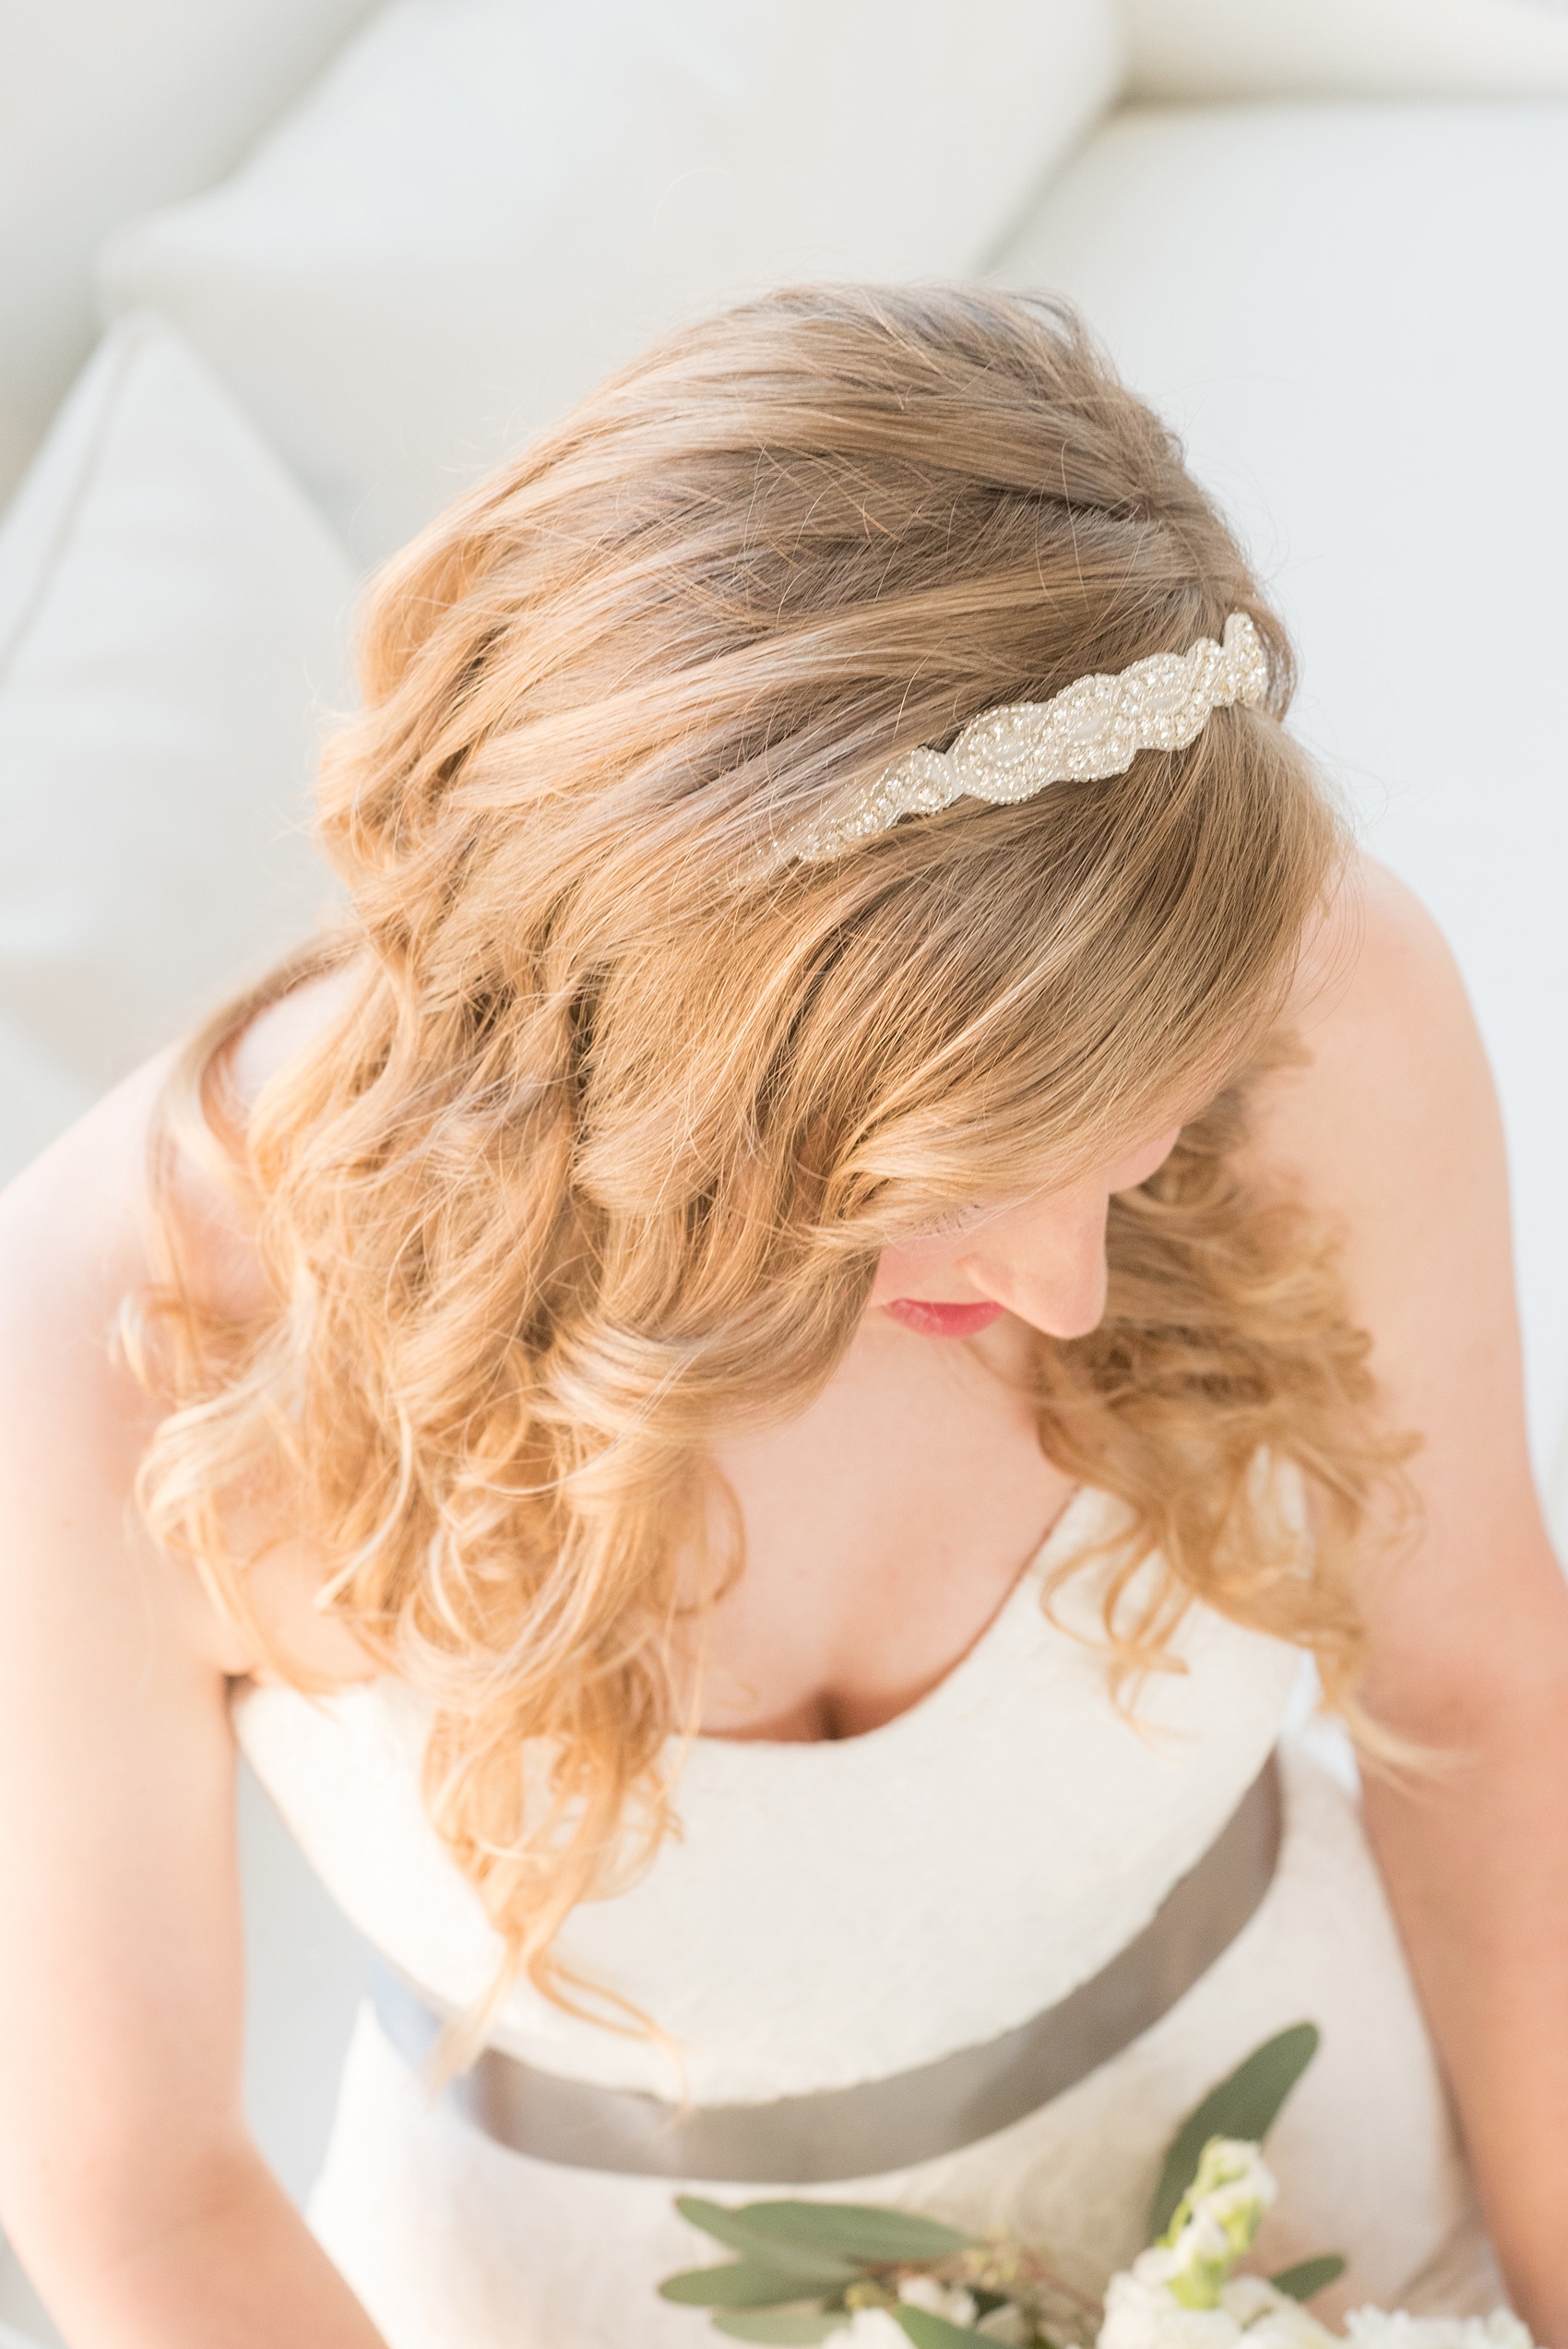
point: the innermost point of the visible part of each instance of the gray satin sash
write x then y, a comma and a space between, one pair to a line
877, 2124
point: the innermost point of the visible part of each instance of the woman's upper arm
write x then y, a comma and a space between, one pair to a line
120, 1948
1394, 1128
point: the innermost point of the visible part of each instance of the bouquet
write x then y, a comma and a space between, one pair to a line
805, 2271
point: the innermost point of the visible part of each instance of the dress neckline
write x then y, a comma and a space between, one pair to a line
1074, 1528
1068, 1531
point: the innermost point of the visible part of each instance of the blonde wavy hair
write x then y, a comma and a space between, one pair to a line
596, 1152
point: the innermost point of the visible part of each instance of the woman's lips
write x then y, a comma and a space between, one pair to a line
942, 1321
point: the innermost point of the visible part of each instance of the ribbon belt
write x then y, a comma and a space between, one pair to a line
877, 2124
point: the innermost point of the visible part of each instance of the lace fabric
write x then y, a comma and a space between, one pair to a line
835, 1913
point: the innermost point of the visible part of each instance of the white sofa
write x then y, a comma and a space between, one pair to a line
1326, 236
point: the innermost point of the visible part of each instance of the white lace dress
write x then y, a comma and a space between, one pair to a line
841, 1912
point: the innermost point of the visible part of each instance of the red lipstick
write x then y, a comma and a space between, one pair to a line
942, 1321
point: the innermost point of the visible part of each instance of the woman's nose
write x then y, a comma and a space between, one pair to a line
1052, 1277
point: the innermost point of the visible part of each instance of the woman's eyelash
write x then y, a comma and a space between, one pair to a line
948, 1224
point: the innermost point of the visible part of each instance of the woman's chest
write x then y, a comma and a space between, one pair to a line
883, 1899
881, 1533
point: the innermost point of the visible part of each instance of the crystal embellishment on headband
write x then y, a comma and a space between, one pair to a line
1094, 727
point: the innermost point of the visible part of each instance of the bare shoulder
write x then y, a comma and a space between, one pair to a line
286, 1027
79, 1234
217, 1259
1391, 1126
1394, 1096
77, 1227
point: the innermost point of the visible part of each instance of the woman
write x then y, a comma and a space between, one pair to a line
750, 1390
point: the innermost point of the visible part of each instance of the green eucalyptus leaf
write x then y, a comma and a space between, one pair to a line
1309, 2276
928, 2332
814, 2269
743, 2284
853, 2230
1244, 2105
778, 2324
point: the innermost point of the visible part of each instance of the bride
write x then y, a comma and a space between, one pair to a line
751, 1390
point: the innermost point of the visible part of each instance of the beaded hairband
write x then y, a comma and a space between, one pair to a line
1094, 727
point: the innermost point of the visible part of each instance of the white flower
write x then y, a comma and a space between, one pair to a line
949, 2300
1142, 2313
1214, 2224
1272, 2319
1394, 2329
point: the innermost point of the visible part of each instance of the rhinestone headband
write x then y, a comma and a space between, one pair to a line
1094, 727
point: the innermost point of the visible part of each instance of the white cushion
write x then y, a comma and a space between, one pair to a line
1348, 48
173, 617
1356, 316
106, 107
489, 203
